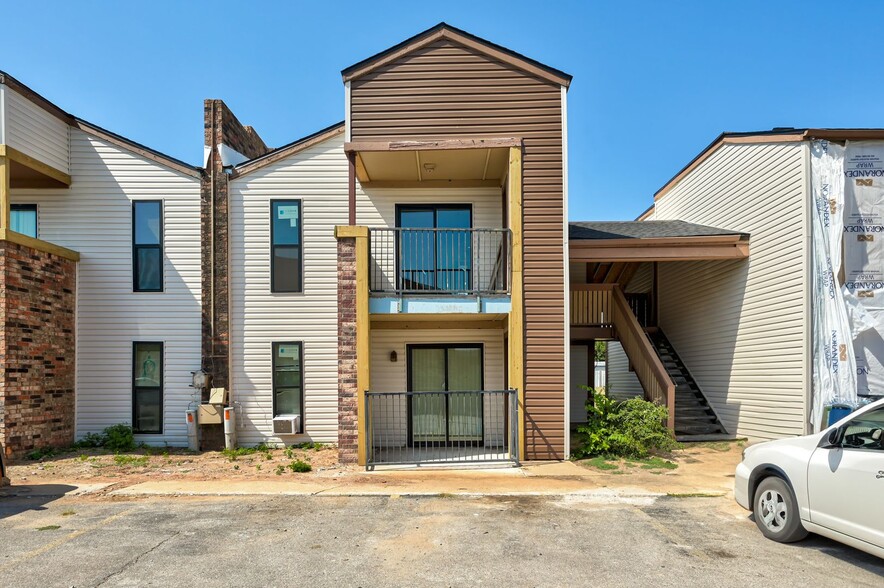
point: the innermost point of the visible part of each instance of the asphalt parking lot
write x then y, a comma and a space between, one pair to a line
390, 541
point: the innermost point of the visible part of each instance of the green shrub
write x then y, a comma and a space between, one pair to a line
300, 466
119, 438
114, 438
632, 428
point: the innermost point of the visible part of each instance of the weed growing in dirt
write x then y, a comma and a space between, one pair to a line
300, 466
279, 470
49, 528
68, 513
131, 460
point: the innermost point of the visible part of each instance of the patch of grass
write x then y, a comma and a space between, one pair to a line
694, 494
49, 528
601, 463
131, 460
68, 513
279, 470
300, 466
658, 463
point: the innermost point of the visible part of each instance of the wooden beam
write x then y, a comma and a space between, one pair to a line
428, 325
699, 253
602, 333
429, 183
38, 166
628, 273
38, 244
432, 145
351, 188
516, 365
5, 195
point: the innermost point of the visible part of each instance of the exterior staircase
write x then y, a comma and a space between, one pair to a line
693, 415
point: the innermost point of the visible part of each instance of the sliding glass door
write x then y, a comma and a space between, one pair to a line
435, 247
440, 418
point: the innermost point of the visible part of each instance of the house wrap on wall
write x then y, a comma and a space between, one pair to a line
403, 283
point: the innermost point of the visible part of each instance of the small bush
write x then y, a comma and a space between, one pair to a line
119, 438
633, 428
300, 466
114, 438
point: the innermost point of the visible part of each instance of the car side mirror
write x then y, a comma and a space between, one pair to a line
833, 439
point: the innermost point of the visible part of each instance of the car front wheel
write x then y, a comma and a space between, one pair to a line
776, 511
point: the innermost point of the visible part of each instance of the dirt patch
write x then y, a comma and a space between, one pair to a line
151, 464
695, 466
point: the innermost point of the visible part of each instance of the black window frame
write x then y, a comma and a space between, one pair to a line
409, 348
434, 208
136, 247
162, 380
274, 350
27, 207
300, 246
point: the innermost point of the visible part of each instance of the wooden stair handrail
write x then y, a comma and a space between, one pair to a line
655, 380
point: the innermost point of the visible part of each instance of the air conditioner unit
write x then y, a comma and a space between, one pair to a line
287, 424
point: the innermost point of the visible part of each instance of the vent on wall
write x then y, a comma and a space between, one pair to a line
287, 424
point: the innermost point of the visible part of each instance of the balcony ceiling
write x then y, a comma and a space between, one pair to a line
487, 165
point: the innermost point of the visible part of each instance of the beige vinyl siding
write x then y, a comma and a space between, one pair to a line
376, 207
35, 132
620, 382
740, 326
388, 376
642, 281
318, 177
94, 217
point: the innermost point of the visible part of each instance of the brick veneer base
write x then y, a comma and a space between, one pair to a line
37, 309
348, 430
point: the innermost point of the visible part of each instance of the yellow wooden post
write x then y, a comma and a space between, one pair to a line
363, 337
516, 317
4, 191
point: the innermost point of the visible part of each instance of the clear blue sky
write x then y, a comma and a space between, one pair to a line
654, 82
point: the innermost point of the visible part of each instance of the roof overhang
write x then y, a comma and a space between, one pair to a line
706, 248
443, 162
785, 135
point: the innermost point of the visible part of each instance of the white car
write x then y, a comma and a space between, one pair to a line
830, 483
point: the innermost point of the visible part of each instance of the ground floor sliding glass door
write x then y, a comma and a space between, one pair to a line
444, 408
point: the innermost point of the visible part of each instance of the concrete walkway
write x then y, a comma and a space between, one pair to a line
535, 479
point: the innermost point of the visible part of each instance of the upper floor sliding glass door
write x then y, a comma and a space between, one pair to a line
435, 247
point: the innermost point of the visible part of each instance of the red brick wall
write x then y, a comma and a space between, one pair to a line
348, 429
37, 313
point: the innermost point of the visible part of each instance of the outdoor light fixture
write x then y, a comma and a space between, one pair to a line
429, 167
393, 357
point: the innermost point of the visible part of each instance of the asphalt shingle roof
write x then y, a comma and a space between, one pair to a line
642, 230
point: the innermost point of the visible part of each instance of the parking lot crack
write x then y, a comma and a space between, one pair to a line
138, 558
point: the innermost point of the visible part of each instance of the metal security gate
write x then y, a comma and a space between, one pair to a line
455, 427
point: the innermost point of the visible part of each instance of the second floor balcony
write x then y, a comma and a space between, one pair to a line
440, 261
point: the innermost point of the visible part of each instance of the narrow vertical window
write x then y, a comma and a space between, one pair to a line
23, 219
286, 261
147, 245
288, 380
147, 387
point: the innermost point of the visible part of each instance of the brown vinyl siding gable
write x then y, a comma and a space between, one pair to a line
446, 90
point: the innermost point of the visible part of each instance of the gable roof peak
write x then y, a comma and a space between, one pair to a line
446, 31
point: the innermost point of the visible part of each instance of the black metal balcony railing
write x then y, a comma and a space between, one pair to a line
441, 427
426, 261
